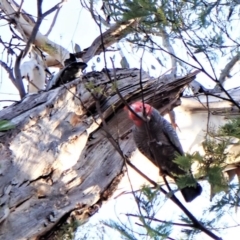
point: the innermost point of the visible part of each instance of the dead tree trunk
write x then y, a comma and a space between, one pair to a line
57, 160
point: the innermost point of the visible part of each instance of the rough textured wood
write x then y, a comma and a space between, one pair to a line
57, 159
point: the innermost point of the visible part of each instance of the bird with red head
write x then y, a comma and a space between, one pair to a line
158, 141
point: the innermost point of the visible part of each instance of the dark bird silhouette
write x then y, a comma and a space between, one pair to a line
67, 74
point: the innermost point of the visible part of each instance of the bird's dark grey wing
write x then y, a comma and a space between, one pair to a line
169, 132
143, 146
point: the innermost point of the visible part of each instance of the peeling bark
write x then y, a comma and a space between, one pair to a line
57, 159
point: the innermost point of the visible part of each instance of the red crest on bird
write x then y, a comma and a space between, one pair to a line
142, 111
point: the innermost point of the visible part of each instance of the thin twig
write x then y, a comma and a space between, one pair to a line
18, 77
20, 6
161, 221
9, 71
154, 231
53, 22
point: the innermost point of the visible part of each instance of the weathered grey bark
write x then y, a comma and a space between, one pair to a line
57, 160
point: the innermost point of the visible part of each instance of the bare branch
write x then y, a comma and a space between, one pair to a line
40, 17
18, 77
53, 22
56, 7
20, 6
168, 46
226, 71
111, 36
35, 29
9, 71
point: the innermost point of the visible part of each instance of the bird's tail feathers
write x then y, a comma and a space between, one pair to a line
190, 193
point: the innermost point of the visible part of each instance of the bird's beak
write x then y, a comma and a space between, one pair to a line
140, 114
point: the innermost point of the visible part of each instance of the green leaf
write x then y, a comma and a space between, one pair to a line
196, 156
6, 125
185, 181
216, 178
232, 128
184, 162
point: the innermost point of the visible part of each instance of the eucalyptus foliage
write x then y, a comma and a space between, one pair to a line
203, 30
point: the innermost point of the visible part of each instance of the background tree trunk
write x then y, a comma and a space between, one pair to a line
57, 160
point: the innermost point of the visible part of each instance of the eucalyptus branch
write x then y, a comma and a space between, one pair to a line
141, 83
201, 69
109, 37
208, 94
204, 52
168, 46
226, 71
20, 6
224, 29
7, 100
53, 21
56, 7
9, 71
208, 116
18, 77
40, 17
15, 35
166, 183
109, 77
91, 10
35, 29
